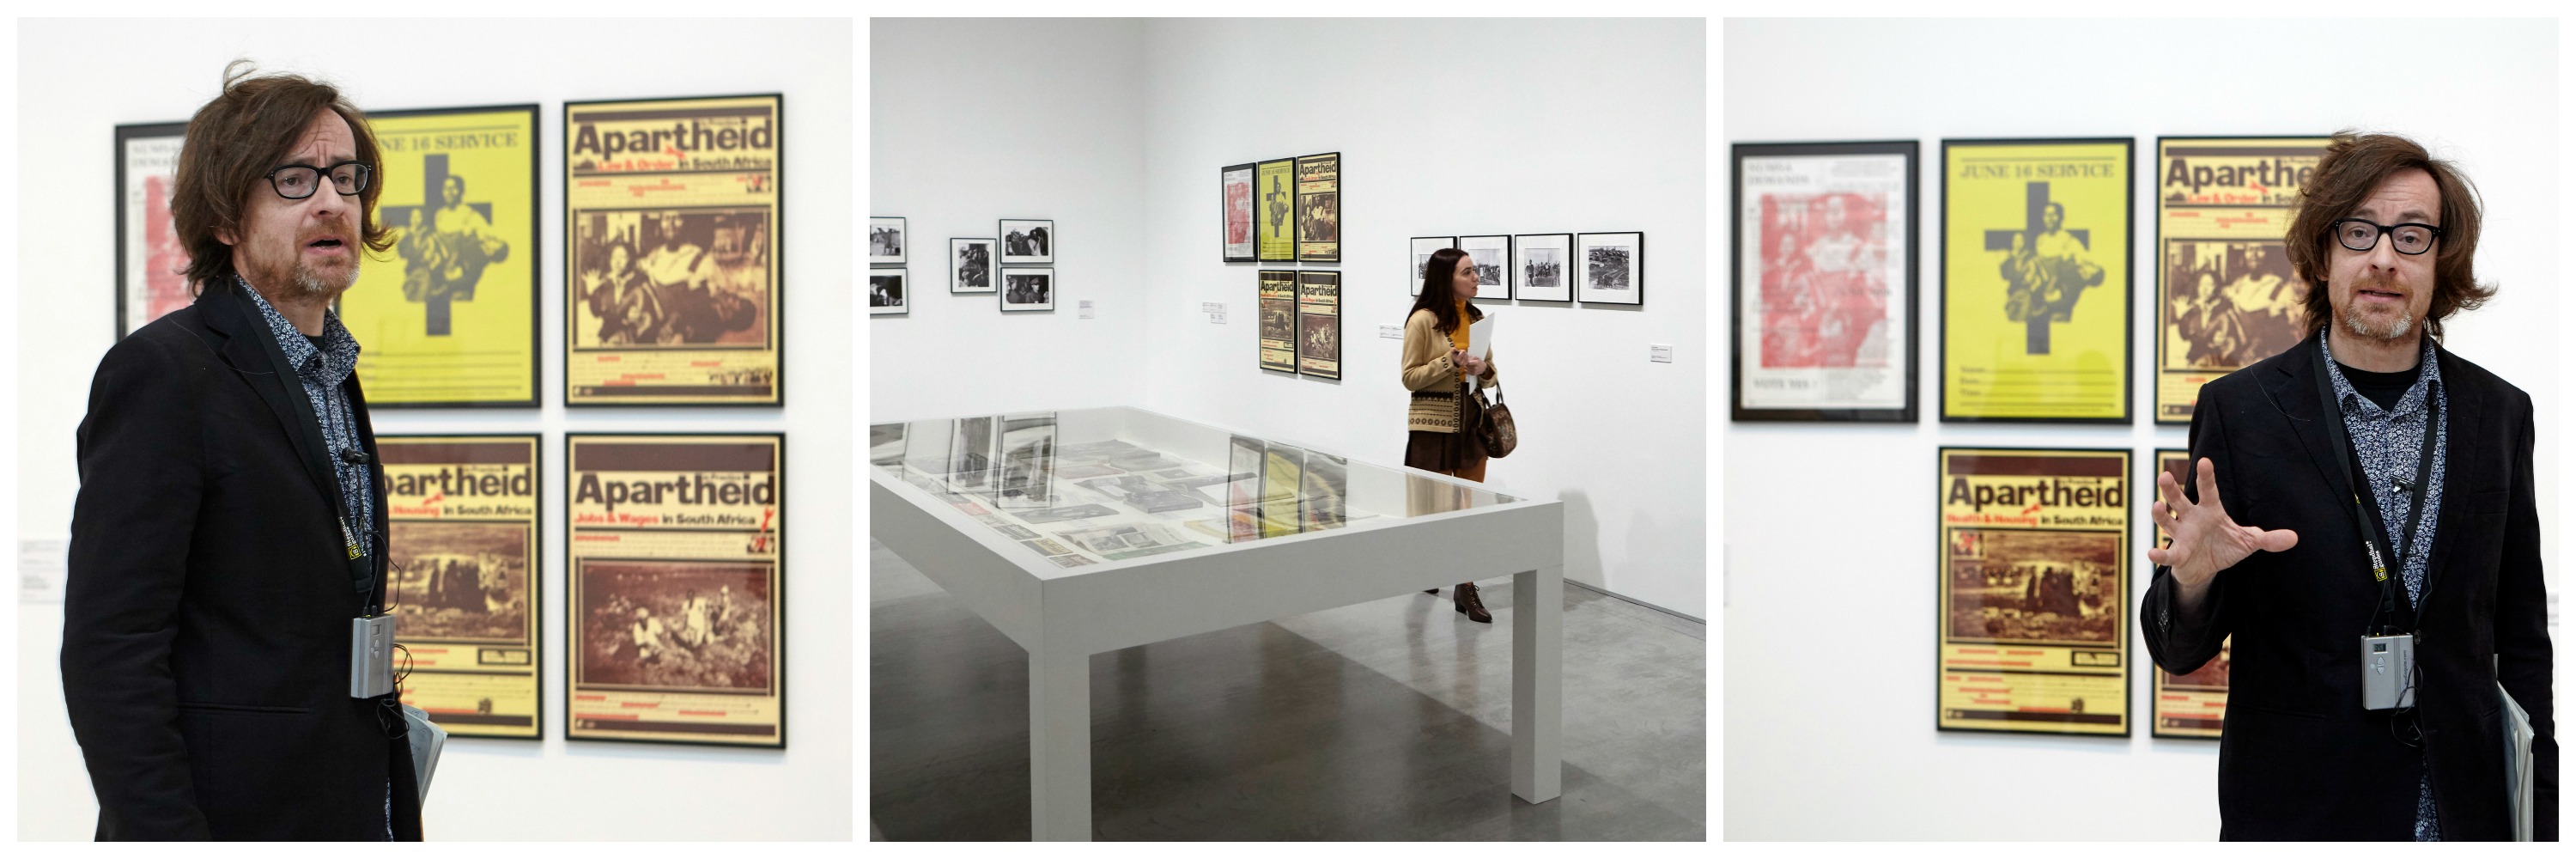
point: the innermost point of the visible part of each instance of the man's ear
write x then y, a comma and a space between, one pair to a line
225, 235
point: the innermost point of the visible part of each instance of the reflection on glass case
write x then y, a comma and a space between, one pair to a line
1096, 486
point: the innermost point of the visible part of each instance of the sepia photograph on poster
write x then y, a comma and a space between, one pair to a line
1274, 210
677, 588
2035, 280
2033, 634
2225, 294
672, 210
1279, 320
2195, 704
1235, 185
451, 319
1319, 208
1825, 282
1319, 324
151, 264
462, 571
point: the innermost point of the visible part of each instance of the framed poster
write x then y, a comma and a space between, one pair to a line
2035, 280
2225, 294
1319, 208
886, 241
1023, 470
462, 562
1542, 261
1028, 242
2194, 704
889, 292
1235, 184
1824, 282
677, 589
2033, 633
1319, 323
151, 265
1423, 248
1492, 256
970, 266
1243, 488
1614, 268
1274, 210
1028, 289
451, 320
1282, 469
1279, 320
671, 210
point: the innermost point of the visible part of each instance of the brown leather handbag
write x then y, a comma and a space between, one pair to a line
1493, 422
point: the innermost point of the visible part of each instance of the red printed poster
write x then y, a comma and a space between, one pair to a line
1823, 283
1238, 213
151, 264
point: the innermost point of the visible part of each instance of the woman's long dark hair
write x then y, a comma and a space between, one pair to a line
1436, 295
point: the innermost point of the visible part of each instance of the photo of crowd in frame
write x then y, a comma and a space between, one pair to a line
889, 269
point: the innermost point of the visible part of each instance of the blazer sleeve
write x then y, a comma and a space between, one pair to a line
1426, 353
2522, 629
2182, 641
139, 456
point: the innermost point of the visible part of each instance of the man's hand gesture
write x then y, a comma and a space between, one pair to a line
2205, 541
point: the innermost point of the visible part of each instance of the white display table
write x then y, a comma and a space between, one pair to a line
1080, 532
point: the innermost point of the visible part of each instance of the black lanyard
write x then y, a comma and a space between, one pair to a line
2391, 604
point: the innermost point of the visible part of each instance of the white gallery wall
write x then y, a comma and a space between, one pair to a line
1446, 128
1117, 129
487, 789
1829, 570
970, 122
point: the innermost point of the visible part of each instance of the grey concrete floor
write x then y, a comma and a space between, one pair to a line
1387, 720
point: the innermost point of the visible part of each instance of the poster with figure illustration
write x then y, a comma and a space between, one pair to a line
2225, 294
462, 574
2035, 309
2033, 633
151, 265
1824, 282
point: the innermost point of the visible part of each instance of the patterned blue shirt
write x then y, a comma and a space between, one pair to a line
2389, 441
322, 370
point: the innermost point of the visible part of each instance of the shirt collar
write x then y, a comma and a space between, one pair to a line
331, 363
2351, 402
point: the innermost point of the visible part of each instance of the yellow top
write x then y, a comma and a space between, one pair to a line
1458, 335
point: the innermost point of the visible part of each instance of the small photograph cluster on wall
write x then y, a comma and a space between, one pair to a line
1289, 210
1592, 268
1019, 267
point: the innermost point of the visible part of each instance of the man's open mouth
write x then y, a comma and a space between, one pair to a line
323, 243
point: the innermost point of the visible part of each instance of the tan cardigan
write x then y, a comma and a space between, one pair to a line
1431, 376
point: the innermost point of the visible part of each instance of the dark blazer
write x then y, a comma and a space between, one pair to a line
206, 621
2300, 759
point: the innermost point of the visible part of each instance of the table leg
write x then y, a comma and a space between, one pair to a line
1538, 713
1059, 745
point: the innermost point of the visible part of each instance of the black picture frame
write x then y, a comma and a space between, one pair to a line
1037, 235
1319, 323
960, 268
2129, 279
1526, 286
1230, 207
899, 277
2127, 645
1319, 208
1746, 224
1636, 272
1051, 286
2157, 264
130, 220
882, 226
1501, 260
1419, 252
536, 563
536, 256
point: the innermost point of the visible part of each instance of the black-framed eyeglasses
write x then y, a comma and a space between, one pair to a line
296, 181
2408, 238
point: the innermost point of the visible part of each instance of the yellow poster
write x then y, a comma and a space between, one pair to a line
2034, 591
2225, 294
1279, 320
2035, 280
462, 559
450, 318
1274, 210
2194, 704
676, 588
672, 284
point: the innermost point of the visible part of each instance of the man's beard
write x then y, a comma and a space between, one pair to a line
301, 281
2394, 329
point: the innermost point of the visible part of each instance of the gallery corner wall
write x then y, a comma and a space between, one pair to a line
973, 121
488, 789
1829, 587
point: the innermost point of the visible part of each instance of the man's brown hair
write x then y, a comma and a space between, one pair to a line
2353, 166
234, 141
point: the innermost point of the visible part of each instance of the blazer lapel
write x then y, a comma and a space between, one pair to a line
2466, 412
2294, 389
253, 352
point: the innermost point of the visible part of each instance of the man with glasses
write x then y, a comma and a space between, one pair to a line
230, 524
2360, 516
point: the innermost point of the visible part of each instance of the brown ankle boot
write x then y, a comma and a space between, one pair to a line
1467, 603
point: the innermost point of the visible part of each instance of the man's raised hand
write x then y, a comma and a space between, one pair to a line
2205, 540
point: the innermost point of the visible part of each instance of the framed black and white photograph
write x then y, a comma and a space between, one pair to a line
889, 291
887, 241
1540, 265
1492, 256
1824, 282
1423, 248
1028, 242
970, 266
1611, 268
1236, 185
1027, 289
